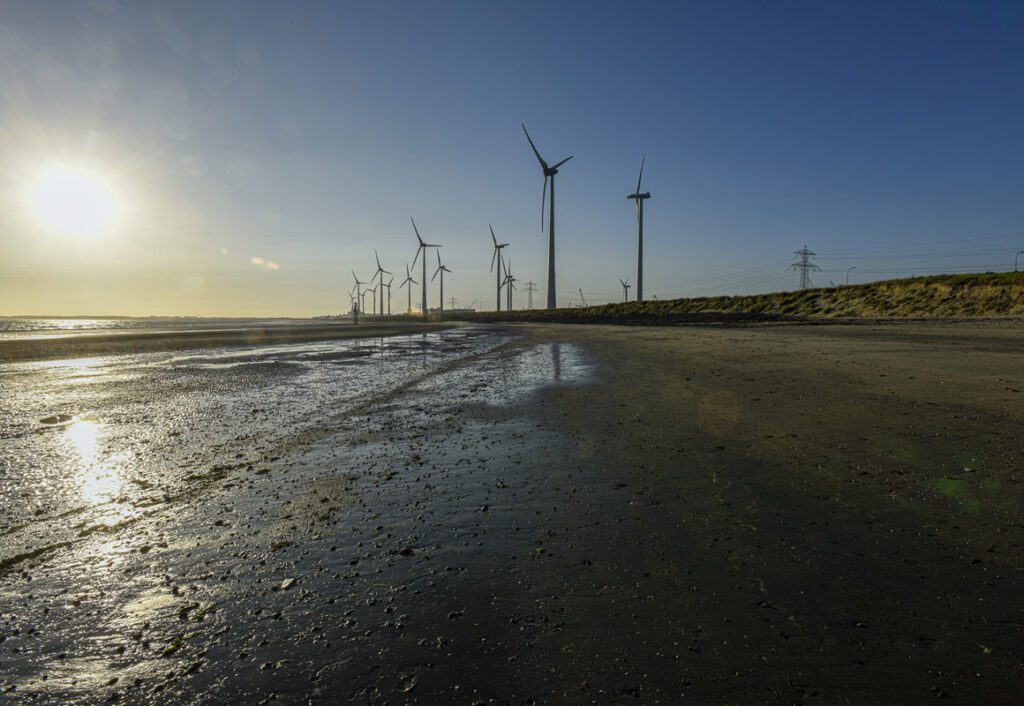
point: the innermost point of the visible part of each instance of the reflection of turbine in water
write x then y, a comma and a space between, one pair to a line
556, 360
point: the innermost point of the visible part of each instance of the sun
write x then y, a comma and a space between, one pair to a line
73, 201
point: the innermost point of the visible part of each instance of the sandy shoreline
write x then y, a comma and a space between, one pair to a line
779, 514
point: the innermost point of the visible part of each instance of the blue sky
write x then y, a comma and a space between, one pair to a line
887, 137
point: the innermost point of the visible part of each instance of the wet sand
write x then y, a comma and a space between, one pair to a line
771, 514
35, 346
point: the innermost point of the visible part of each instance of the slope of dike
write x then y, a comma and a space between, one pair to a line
937, 297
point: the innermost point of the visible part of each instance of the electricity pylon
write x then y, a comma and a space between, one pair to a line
805, 266
531, 287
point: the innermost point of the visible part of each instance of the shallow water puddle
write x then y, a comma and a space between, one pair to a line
503, 378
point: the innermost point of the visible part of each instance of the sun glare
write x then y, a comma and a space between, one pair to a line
73, 201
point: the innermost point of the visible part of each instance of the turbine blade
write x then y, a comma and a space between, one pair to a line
494, 256
417, 231
435, 274
416, 255
641, 174
492, 235
378, 259
562, 162
543, 196
543, 164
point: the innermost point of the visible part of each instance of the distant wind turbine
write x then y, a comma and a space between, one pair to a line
388, 285
441, 269
372, 291
497, 256
422, 246
625, 289
583, 299
380, 274
639, 198
510, 281
548, 172
407, 283
359, 295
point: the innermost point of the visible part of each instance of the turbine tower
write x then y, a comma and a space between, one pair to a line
497, 256
640, 236
625, 289
380, 273
422, 246
441, 269
548, 172
406, 283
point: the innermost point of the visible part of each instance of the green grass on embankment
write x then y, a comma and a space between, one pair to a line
935, 297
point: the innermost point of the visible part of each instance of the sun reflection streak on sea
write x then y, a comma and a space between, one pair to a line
100, 477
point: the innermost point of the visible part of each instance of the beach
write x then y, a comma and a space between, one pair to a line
771, 513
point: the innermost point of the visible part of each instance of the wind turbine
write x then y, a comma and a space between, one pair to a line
441, 269
548, 172
583, 299
372, 291
359, 294
640, 237
625, 289
380, 273
406, 283
497, 256
509, 283
388, 285
422, 246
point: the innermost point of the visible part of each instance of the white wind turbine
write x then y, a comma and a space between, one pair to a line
407, 283
388, 285
548, 172
510, 281
441, 269
422, 246
639, 198
497, 256
359, 295
380, 284
625, 289
372, 291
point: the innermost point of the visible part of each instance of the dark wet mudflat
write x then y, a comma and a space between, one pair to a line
609, 515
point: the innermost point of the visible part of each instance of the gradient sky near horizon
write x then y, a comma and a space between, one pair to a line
256, 152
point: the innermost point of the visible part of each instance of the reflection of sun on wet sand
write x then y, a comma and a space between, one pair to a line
750, 514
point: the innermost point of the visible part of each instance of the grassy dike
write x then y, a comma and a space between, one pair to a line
936, 297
